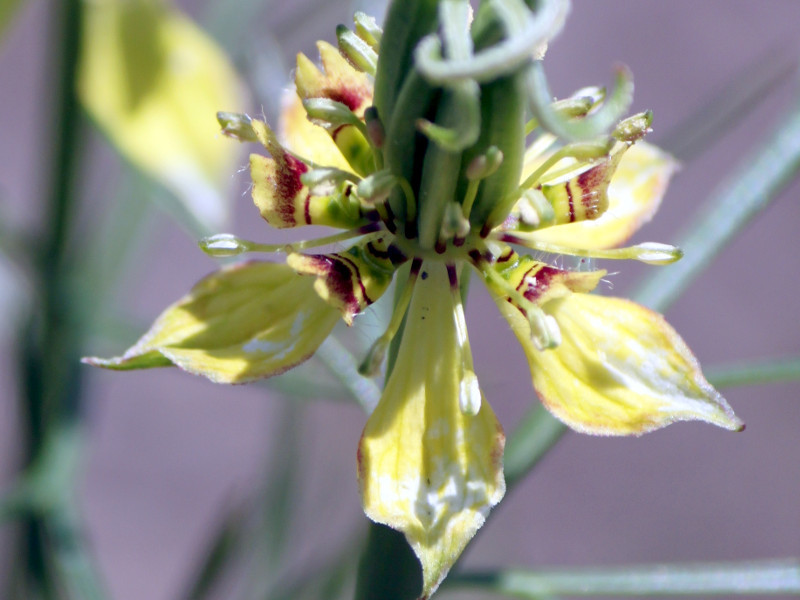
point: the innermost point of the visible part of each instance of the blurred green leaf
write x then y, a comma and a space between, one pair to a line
780, 577
153, 81
729, 106
536, 433
225, 545
754, 372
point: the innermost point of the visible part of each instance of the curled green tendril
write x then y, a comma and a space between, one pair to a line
526, 34
541, 105
454, 15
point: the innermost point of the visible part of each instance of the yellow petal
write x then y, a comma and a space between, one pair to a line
341, 82
154, 82
425, 467
351, 280
306, 138
242, 323
338, 80
620, 369
634, 195
284, 200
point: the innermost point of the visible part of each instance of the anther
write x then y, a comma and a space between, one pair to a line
633, 128
237, 126
224, 245
371, 364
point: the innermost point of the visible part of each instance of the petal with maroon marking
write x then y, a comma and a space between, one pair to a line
426, 467
634, 194
338, 80
620, 369
352, 280
540, 282
239, 324
341, 82
282, 198
306, 138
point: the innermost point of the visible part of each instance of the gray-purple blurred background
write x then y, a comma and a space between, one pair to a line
169, 453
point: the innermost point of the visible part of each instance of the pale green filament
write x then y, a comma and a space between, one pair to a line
372, 362
652, 253
225, 244
469, 393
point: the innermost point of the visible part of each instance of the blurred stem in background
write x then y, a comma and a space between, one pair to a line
50, 560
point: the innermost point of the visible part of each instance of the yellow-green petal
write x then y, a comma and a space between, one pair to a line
308, 139
539, 282
425, 467
620, 369
284, 200
634, 194
338, 80
351, 280
242, 323
153, 82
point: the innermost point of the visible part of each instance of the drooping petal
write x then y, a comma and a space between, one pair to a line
306, 138
153, 81
353, 279
285, 201
426, 467
620, 369
242, 323
634, 194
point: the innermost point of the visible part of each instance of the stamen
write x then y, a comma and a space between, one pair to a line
469, 392
539, 146
368, 30
545, 332
238, 126
333, 114
372, 362
581, 151
322, 181
652, 253
356, 50
535, 210
223, 245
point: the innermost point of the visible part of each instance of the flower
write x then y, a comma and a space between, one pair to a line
430, 456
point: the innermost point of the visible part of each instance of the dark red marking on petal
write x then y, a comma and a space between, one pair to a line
452, 275
506, 255
592, 183
542, 280
568, 188
392, 253
357, 274
287, 184
307, 209
352, 98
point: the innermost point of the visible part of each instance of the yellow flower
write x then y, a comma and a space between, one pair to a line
430, 457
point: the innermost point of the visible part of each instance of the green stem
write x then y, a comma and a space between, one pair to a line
53, 559
748, 578
750, 373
